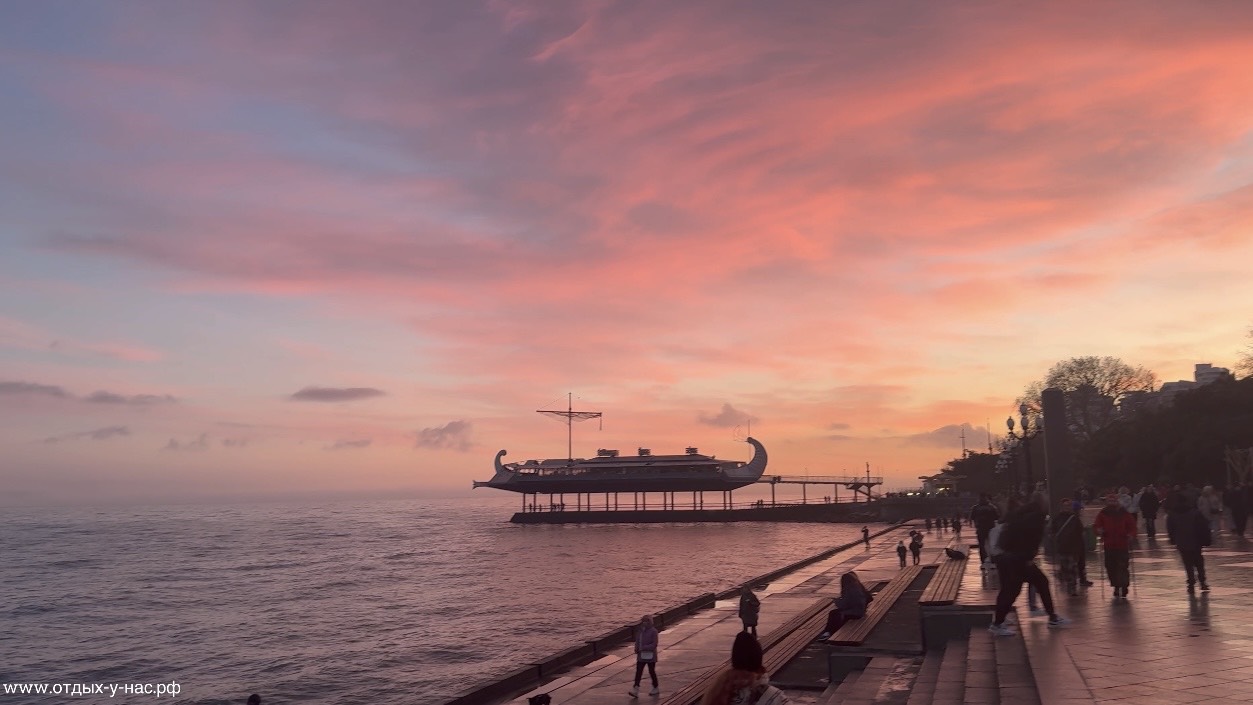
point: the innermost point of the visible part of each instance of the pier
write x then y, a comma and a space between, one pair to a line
858, 503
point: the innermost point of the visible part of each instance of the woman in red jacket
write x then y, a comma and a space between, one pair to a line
1116, 527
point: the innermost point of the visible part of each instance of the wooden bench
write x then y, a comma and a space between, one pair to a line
802, 622
786, 649
944, 585
855, 631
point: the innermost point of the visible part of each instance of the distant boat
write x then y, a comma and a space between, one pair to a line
645, 472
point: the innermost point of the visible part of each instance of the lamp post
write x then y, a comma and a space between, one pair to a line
1024, 437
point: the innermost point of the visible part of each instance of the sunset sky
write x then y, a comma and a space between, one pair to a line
287, 248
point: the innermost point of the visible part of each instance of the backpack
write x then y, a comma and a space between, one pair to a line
994, 540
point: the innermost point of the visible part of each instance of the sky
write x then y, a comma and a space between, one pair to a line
266, 249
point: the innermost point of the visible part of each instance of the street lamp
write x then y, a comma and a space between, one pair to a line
1025, 436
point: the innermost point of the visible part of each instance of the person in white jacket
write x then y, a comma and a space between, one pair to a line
1130, 502
1211, 505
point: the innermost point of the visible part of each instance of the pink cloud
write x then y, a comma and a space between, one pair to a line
838, 210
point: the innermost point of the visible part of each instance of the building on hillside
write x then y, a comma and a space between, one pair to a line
1207, 373
1204, 373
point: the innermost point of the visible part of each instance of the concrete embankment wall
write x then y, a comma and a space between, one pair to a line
529, 675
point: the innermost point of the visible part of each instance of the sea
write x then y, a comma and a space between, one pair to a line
381, 601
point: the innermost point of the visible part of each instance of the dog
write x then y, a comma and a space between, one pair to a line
541, 699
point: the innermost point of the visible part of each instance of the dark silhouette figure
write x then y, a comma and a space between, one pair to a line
865, 535
1188, 529
1149, 505
254, 699
984, 516
1067, 530
851, 604
1020, 543
750, 608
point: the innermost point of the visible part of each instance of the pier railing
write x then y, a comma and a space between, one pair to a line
821, 480
690, 505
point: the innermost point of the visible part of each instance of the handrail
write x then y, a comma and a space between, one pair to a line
821, 480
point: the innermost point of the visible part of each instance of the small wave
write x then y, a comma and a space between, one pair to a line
31, 609
74, 563
451, 655
398, 556
266, 566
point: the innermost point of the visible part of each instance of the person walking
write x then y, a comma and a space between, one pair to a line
1149, 504
1189, 531
1211, 505
1129, 501
1237, 499
900, 551
915, 547
1116, 528
646, 643
745, 682
750, 608
1067, 530
865, 535
1019, 542
984, 516
957, 524
851, 604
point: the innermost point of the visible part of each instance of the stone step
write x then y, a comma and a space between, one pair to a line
923, 690
950, 681
900, 681
869, 682
982, 686
1015, 680
838, 693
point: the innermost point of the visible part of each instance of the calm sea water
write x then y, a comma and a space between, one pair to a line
384, 602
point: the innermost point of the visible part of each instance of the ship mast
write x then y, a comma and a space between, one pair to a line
570, 415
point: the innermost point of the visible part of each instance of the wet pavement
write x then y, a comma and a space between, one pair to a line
1161, 646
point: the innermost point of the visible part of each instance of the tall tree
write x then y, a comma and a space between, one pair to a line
1092, 386
1182, 442
1244, 366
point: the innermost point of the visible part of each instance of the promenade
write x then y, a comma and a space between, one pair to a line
1160, 647
702, 641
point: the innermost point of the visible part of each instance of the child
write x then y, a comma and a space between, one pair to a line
750, 607
915, 547
900, 551
851, 604
865, 535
